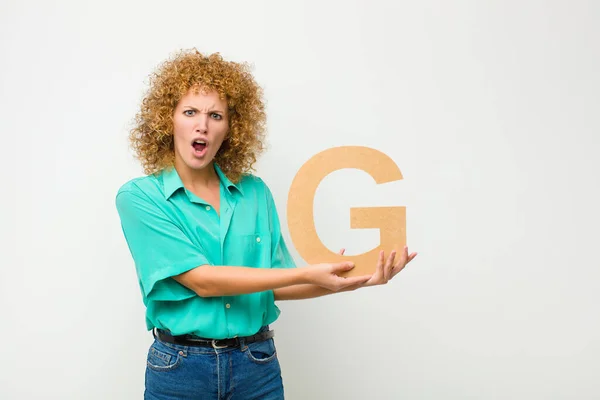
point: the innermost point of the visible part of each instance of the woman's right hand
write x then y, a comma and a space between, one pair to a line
326, 276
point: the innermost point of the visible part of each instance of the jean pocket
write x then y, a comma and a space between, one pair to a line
262, 352
163, 358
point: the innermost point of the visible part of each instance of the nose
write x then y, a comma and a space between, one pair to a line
202, 123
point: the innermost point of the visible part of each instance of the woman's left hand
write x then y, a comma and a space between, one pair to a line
387, 269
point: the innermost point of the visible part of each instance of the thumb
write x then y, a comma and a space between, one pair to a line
341, 267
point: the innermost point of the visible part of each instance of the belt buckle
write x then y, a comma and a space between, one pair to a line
216, 346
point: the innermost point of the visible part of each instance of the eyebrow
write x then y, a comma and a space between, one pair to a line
212, 110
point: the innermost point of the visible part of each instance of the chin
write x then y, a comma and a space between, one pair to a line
197, 164
194, 163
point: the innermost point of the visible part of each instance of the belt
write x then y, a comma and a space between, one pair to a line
190, 340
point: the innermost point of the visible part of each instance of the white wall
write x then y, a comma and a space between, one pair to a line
490, 109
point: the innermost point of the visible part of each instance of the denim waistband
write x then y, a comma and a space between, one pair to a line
200, 349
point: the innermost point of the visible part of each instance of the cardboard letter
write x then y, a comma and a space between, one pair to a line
391, 221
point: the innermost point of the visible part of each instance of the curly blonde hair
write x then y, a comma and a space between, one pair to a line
152, 135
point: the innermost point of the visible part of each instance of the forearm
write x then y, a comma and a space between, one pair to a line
299, 292
307, 291
213, 281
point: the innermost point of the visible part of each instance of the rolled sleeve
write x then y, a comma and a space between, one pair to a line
159, 248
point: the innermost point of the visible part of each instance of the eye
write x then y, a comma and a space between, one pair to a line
189, 113
216, 116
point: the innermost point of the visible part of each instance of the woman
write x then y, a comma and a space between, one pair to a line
205, 236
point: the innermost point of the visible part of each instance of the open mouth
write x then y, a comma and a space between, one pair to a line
199, 147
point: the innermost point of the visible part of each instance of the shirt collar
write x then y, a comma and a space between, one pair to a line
226, 182
172, 182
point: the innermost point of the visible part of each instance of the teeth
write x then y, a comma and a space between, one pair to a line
200, 141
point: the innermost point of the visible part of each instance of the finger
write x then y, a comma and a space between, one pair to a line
380, 264
356, 280
400, 266
396, 270
403, 258
378, 274
389, 265
340, 283
378, 277
341, 252
411, 257
342, 267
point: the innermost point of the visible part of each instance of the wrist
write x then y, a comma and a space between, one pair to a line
302, 275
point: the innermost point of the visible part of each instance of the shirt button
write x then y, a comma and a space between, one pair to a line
258, 240
227, 305
207, 208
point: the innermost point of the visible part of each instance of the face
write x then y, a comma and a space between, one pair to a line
200, 125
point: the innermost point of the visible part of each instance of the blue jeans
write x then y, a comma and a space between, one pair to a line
248, 372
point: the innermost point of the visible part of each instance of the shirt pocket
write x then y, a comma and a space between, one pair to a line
249, 250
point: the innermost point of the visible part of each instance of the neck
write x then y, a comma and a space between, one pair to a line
196, 179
